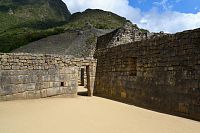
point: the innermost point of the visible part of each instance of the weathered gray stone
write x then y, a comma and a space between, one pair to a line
33, 76
33, 94
8, 89
30, 86
19, 96
159, 74
9, 98
2, 98
53, 91
43, 93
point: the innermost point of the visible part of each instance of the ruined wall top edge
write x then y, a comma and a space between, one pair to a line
29, 55
103, 40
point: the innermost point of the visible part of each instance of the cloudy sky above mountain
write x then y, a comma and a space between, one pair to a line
155, 15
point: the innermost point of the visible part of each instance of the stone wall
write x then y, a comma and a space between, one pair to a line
27, 76
161, 74
126, 34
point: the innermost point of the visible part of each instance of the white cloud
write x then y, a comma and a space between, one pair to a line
165, 4
169, 21
120, 7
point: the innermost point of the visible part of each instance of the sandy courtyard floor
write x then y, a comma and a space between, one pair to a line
87, 115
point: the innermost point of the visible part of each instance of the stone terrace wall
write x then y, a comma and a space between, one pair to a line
162, 74
27, 76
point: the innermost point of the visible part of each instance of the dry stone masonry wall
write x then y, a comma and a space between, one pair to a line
161, 74
126, 34
27, 76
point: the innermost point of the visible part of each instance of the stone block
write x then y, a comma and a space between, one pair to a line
18, 79
30, 86
44, 85
20, 88
30, 67
63, 90
52, 91
38, 85
15, 67
46, 78
33, 78
6, 67
67, 70
33, 94
19, 96
56, 84
2, 98
51, 84
37, 94
57, 78
5, 79
43, 93
59, 90
9, 97
52, 77
70, 90
123, 94
67, 83
183, 108
8, 89
64, 77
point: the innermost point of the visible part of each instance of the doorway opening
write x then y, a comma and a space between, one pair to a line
82, 77
84, 86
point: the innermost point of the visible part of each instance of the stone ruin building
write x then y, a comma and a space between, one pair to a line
126, 34
159, 72
27, 76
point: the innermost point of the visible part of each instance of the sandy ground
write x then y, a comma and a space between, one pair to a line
87, 115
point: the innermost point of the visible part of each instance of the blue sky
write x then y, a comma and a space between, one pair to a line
183, 6
170, 16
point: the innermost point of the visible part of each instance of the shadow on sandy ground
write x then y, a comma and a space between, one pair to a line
82, 91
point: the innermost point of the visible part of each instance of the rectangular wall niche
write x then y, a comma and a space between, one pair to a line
62, 84
126, 65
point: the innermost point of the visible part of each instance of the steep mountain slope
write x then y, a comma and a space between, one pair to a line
81, 34
52, 45
78, 43
31, 12
98, 18
23, 21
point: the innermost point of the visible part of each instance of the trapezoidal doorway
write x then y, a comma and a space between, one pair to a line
82, 76
84, 81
